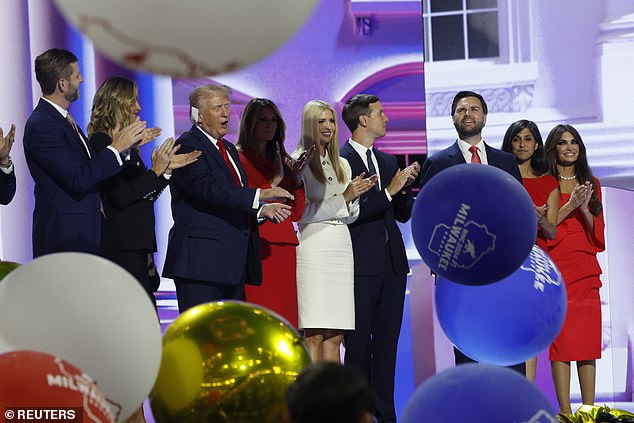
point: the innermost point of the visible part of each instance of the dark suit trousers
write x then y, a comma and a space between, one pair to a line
371, 347
190, 292
135, 262
461, 358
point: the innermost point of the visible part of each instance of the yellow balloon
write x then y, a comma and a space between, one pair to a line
227, 361
7, 267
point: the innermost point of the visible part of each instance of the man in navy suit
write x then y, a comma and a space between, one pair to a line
214, 245
7, 173
380, 260
469, 113
65, 169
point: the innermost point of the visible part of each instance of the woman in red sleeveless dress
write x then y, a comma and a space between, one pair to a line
580, 236
524, 140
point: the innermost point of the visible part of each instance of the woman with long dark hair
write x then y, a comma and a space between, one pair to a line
580, 236
267, 164
524, 141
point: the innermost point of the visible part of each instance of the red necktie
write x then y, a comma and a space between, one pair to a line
223, 153
475, 158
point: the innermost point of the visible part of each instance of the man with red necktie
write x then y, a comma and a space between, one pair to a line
214, 245
469, 113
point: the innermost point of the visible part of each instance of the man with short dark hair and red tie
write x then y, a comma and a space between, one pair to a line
214, 245
469, 113
66, 170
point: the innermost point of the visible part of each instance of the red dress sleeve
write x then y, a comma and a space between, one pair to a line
597, 236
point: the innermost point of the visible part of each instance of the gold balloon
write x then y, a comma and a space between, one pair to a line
227, 361
7, 267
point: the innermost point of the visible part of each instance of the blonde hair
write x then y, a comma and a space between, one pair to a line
310, 136
199, 94
113, 104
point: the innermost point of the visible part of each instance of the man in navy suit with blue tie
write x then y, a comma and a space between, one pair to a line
64, 167
214, 245
380, 260
469, 113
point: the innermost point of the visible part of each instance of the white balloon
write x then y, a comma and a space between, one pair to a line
90, 312
188, 38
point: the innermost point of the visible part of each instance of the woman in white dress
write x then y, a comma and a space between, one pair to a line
325, 275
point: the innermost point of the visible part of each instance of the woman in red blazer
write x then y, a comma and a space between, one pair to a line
267, 164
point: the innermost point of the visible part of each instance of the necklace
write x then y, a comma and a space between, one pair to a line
567, 178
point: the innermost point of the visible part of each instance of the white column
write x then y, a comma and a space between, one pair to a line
564, 36
615, 60
15, 107
163, 117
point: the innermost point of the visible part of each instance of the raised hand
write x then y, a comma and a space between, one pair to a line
358, 186
182, 160
149, 134
412, 172
398, 182
162, 156
124, 138
275, 193
588, 194
579, 195
297, 166
540, 212
275, 212
6, 143
278, 166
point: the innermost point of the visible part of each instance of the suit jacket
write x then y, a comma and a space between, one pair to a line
67, 215
7, 186
215, 236
128, 201
377, 218
452, 155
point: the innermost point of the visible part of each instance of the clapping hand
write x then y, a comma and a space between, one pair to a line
5, 144
162, 156
124, 138
276, 212
540, 212
358, 186
275, 193
581, 195
278, 166
149, 134
297, 166
412, 172
182, 160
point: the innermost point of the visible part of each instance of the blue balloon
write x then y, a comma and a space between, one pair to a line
477, 393
509, 321
473, 224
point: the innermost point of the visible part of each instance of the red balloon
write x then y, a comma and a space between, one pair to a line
49, 386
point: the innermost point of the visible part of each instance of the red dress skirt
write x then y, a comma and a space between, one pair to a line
574, 251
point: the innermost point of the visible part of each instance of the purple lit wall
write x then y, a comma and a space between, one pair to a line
554, 66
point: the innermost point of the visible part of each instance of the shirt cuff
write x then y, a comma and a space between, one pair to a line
7, 169
256, 199
387, 194
116, 154
167, 176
